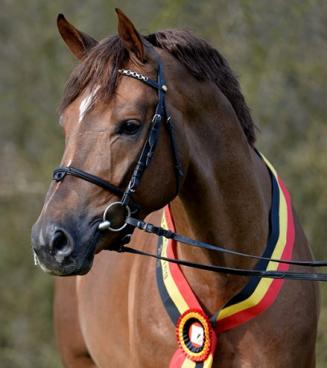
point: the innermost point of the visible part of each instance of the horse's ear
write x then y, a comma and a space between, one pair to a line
78, 42
129, 35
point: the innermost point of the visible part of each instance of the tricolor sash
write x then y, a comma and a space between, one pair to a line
195, 331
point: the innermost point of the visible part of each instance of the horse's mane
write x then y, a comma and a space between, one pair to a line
100, 69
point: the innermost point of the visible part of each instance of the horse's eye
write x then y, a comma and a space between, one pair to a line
129, 127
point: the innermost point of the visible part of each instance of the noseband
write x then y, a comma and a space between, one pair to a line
131, 207
145, 156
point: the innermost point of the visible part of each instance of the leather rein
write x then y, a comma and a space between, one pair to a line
131, 208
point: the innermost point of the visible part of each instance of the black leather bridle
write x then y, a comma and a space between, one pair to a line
145, 156
132, 208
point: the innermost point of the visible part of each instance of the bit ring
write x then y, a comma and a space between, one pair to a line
106, 225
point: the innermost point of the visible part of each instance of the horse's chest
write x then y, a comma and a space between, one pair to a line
122, 318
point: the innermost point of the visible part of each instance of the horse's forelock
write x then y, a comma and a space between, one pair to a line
98, 71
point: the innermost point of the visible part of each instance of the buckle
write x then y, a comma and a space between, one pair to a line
148, 227
156, 117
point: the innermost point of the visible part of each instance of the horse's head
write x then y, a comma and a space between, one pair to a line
106, 117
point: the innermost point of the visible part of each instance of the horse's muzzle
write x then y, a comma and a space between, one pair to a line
58, 251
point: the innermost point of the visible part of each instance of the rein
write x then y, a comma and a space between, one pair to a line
131, 207
159, 231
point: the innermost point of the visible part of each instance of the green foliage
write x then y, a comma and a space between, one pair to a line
277, 48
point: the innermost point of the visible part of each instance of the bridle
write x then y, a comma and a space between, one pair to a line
145, 156
131, 208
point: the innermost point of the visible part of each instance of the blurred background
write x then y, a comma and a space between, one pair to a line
278, 50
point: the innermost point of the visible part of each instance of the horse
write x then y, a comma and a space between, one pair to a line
205, 179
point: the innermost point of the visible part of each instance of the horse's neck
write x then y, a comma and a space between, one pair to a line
225, 200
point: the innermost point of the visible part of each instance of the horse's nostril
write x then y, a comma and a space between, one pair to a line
61, 244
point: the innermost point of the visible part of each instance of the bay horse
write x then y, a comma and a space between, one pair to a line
124, 310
